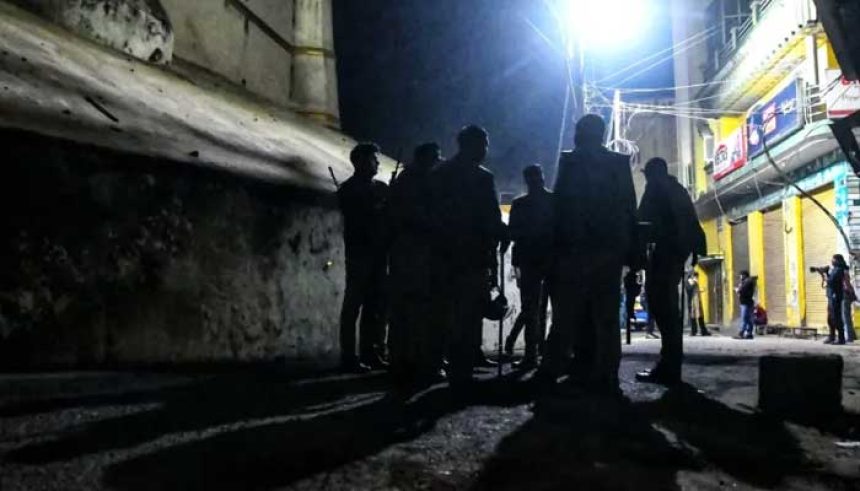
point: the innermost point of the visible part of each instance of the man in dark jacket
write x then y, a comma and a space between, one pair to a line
530, 229
414, 342
594, 236
675, 237
467, 230
835, 294
362, 203
746, 299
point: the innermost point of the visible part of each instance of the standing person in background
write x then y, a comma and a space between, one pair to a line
632, 289
468, 228
850, 296
746, 299
530, 230
835, 294
415, 344
362, 203
595, 236
694, 302
651, 325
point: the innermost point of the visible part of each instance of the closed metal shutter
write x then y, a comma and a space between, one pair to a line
819, 245
715, 294
774, 266
740, 258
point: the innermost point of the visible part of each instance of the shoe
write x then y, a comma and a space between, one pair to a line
694, 333
706, 334
354, 366
484, 362
526, 364
829, 341
657, 377
749, 336
375, 362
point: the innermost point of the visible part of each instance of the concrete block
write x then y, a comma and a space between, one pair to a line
140, 28
800, 385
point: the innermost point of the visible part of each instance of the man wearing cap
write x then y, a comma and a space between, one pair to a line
676, 237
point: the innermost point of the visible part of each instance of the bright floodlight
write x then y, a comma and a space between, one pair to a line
606, 23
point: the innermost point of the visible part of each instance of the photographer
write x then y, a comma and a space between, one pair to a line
833, 278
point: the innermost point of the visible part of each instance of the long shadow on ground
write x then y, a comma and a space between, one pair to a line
589, 444
204, 404
279, 454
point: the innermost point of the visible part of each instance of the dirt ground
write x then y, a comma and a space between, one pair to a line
262, 429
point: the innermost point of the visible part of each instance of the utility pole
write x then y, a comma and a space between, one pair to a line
616, 116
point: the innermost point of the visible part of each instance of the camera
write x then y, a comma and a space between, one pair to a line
819, 270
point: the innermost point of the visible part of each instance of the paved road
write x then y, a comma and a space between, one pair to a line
262, 430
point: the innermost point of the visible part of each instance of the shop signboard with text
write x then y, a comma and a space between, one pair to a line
730, 154
775, 119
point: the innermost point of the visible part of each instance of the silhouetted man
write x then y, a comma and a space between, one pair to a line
468, 228
530, 228
415, 345
362, 203
595, 233
675, 235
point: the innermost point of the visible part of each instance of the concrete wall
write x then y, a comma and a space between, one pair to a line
140, 28
113, 259
654, 135
216, 35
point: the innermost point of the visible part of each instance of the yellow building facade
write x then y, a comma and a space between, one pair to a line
760, 127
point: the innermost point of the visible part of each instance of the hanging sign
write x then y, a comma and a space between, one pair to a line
730, 154
775, 119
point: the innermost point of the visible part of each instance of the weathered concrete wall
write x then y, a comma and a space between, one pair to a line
140, 28
113, 259
314, 66
218, 36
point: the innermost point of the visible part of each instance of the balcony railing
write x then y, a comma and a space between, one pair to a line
794, 12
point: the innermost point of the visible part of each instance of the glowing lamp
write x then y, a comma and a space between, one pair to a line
606, 23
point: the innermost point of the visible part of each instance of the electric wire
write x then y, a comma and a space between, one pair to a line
695, 38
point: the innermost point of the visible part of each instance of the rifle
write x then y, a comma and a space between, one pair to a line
397, 165
333, 178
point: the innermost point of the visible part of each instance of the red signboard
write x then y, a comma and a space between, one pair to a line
730, 154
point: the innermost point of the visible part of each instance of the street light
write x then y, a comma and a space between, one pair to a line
592, 27
605, 24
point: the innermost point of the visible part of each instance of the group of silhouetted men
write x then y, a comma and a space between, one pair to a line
422, 257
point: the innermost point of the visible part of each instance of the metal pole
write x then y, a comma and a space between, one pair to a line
616, 116
502, 320
627, 312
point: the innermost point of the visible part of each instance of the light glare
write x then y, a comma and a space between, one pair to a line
606, 23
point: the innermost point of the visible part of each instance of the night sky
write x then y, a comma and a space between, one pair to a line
416, 71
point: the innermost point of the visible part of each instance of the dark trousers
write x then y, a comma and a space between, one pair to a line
365, 295
664, 277
534, 300
834, 320
698, 324
461, 296
585, 295
414, 340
